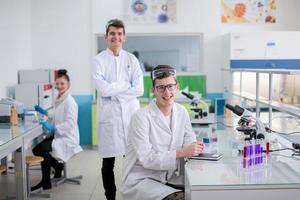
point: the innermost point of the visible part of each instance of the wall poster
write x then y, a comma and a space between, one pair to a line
248, 11
150, 11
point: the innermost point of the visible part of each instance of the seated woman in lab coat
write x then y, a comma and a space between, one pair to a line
63, 143
159, 134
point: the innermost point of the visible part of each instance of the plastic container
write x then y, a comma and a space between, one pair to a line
214, 142
14, 116
206, 141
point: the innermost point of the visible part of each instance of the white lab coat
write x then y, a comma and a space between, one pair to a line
150, 159
66, 138
118, 80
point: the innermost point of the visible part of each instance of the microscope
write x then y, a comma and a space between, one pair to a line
252, 127
199, 112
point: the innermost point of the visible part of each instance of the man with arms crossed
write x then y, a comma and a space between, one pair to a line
119, 81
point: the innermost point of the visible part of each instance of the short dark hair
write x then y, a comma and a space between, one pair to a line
163, 75
115, 23
62, 73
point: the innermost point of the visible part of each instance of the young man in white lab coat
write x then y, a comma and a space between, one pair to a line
119, 81
159, 135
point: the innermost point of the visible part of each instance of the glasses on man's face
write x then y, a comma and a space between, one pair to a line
162, 88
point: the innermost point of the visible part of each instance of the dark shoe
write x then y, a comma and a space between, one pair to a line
58, 171
175, 196
110, 195
45, 186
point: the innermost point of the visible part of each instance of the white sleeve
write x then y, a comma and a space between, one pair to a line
69, 120
189, 134
149, 158
137, 84
106, 88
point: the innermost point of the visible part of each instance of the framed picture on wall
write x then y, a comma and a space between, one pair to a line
150, 12
245, 11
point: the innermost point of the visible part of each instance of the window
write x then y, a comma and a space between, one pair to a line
184, 52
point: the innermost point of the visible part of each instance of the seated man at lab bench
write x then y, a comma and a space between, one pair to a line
159, 135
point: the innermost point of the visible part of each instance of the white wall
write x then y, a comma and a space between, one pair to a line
61, 35
15, 42
196, 16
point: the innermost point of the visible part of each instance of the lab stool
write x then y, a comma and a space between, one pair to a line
65, 178
2, 168
33, 160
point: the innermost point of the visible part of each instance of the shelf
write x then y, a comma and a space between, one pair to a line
273, 71
251, 97
292, 110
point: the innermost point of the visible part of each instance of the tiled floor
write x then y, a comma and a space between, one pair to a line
87, 164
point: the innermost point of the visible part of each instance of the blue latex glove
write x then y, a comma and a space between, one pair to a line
48, 126
40, 109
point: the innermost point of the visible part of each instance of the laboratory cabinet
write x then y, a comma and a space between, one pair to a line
32, 94
37, 76
36, 87
269, 102
262, 50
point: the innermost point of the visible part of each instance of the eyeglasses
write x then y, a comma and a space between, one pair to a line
162, 88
